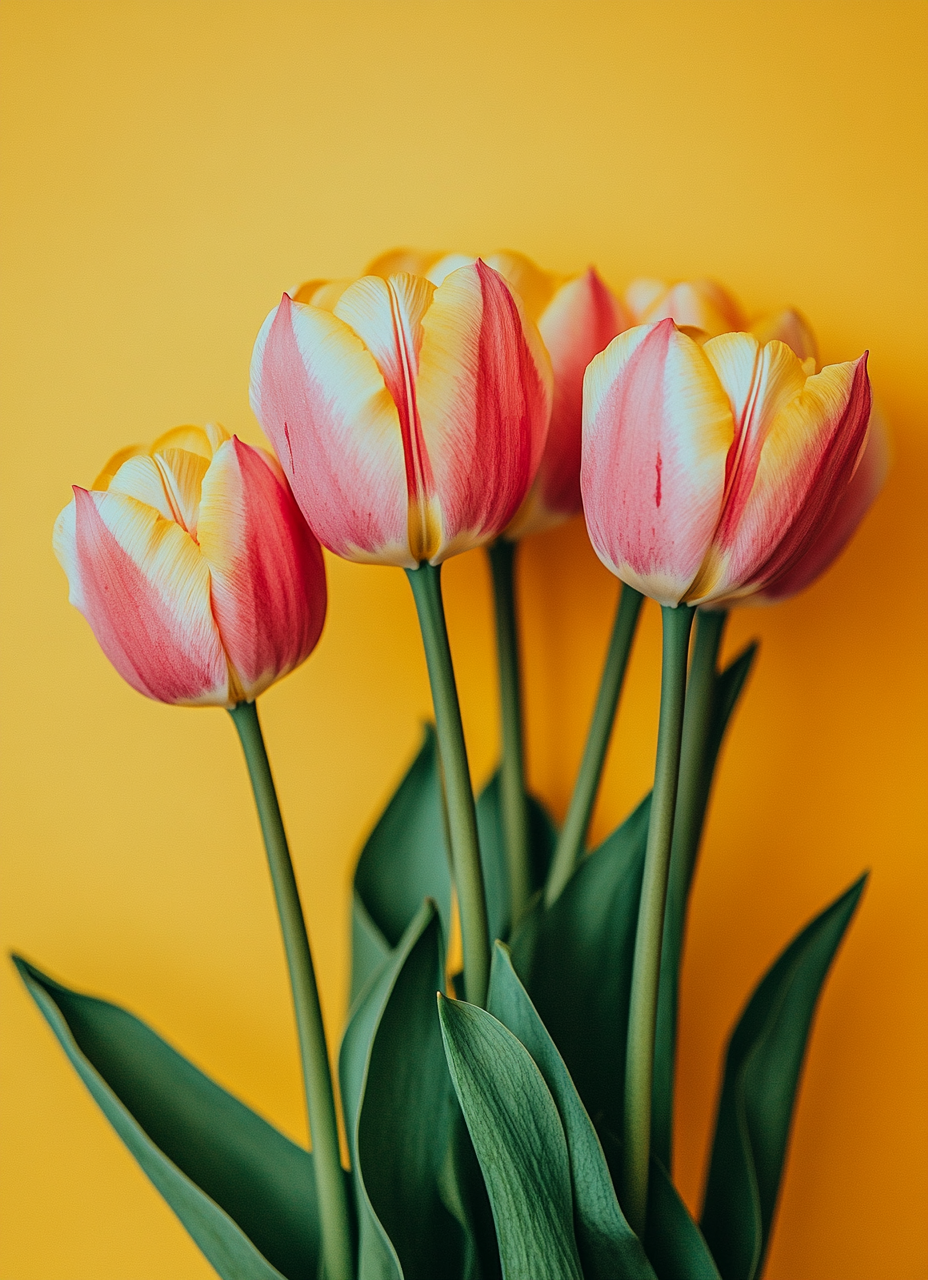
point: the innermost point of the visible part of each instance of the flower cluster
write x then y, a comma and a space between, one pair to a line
440, 402
443, 402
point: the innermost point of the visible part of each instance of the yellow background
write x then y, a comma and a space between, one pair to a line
170, 167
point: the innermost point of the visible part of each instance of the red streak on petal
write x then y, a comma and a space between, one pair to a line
828, 486
657, 487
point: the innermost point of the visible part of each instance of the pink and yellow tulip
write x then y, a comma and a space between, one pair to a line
577, 317
711, 472
709, 307
192, 564
409, 418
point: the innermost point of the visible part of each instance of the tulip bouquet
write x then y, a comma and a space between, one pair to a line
511, 1116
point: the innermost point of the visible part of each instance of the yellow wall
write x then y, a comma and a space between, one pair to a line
170, 167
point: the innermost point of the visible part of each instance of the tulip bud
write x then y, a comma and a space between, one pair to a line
577, 317
711, 471
693, 304
190, 560
789, 326
409, 418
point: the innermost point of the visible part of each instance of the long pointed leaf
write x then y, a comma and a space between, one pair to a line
762, 1070
728, 687
519, 1140
404, 861
542, 838
609, 1249
575, 960
407, 1110
672, 1239
245, 1193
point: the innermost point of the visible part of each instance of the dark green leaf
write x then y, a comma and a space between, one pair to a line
542, 839
674, 1243
575, 961
404, 861
762, 1070
519, 1140
398, 1105
609, 1249
406, 1114
728, 687
245, 1193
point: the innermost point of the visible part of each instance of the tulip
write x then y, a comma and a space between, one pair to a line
577, 318
694, 304
709, 307
710, 471
410, 419
194, 568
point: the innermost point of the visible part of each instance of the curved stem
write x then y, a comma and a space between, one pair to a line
642, 1016
513, 796
692, 800
571, 841
334, 1220
462, 819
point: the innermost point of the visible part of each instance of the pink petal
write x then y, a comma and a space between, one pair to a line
483, 393
656, 432
323, 402
581, 320
268, 578
854, 504
141, 583
807, 461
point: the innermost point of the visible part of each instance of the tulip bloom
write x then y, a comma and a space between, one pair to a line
707, 306
710, 472
409, 418
577, 318
194, 568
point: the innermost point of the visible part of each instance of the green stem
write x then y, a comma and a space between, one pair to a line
572, 839
462, 819
335, 1223
692, 800
513, 796
642, 1016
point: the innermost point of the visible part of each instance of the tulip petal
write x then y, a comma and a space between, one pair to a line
104, 479
643, 294
703, 304
534, 286
657, 427
268, 580
387, 316
322, 400
201, 440
856, 501
143, 586
789, 326
484, 397
582, 319
417, 262
812, 448
139, 477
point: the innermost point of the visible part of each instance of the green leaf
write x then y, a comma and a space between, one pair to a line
399, 1108
673, 1242
728, 687
519, 1140
404, 861
542, 839
575, 960
762, 1070
609, 1249
246, 1194
407, 1110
